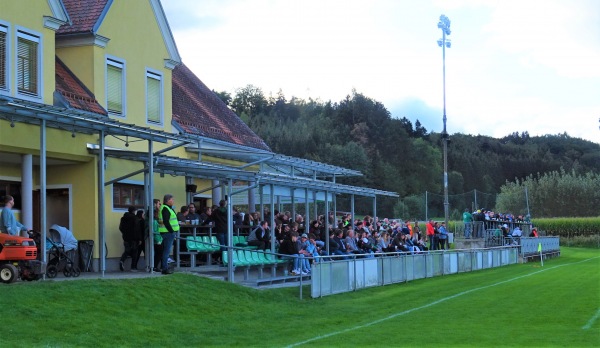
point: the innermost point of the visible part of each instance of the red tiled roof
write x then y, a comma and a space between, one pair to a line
198, 110
84, 15
74, 91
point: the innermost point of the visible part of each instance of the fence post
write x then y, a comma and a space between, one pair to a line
301, 283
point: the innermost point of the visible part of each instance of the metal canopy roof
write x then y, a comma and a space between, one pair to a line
294, 172
199, 169
179, 166
78, 121
277, 162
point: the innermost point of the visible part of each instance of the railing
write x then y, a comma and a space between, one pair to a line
340, 276
478, 229
333, 277
530, 245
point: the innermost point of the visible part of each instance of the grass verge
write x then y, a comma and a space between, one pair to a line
518, 305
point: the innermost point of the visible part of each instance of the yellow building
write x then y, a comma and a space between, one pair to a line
84, 80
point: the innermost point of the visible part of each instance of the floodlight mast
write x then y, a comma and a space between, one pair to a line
444, 25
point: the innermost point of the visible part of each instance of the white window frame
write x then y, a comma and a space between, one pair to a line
30, 35
5, 28
157, 75
119, 63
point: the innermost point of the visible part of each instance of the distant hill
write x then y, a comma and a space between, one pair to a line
395, 155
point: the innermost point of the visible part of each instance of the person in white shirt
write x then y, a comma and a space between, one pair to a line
517, 232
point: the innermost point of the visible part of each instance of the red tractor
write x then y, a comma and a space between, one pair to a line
18, 259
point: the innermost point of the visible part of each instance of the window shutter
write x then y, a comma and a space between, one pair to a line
153, 99
27, 66
115, 89
3, 62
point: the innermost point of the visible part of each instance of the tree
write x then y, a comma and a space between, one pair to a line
224, 96
553, 194
249, 100
420, 131
359, 133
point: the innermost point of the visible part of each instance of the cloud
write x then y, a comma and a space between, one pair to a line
513, 66
549, 33
416, 109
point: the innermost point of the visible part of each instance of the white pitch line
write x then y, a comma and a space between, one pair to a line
316, 338
592, 320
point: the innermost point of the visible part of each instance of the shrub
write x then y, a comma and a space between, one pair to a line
591, 241
568, 227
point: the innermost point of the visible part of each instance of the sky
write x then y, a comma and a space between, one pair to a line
514, 65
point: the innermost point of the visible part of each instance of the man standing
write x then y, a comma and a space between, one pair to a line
168, 226
238, 218
443, 237
8, 221
431, 235
468, 221
219, 217
129, 228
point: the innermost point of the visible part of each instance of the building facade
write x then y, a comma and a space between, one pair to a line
98, 112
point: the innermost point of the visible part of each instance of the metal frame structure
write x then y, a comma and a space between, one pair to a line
274, 170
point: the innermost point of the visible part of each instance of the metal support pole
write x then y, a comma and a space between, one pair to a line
189, 195
316, 211
446, 202
229, 234
27, 190
527, 201
150, 217
444, 24
272, 222
426, 211
251, 198
293, 195
43, 216
352, 210
374, 207
262, 202
306, 209
216, 192
334, 212
101, 215
326, 215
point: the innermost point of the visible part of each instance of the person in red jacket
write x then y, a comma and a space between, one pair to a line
431, 235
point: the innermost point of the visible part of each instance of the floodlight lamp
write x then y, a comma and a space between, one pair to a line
448, 43
440, 42
445, 20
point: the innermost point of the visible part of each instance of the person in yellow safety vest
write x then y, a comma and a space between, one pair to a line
168, 226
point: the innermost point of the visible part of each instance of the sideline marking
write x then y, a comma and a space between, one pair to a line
440, 301
592, 320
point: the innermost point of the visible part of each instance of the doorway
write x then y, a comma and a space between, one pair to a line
58, 209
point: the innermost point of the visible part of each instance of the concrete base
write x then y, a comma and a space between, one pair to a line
469, 243
536, 257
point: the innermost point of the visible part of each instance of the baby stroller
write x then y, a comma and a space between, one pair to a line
62, 255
